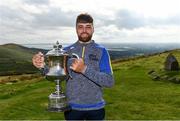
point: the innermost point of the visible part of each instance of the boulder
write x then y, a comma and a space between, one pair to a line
171, 63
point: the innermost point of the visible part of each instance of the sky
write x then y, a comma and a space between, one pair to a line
115, 21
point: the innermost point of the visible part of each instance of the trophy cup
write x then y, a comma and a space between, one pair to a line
56, 60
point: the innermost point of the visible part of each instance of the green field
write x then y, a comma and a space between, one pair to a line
134, 96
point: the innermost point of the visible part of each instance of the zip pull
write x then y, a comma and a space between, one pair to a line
83, 52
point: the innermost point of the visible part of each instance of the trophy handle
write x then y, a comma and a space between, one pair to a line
71, 56
74, 55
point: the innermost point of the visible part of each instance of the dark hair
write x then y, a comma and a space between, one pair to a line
84, 18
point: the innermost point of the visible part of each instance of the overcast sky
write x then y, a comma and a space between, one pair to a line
46, 21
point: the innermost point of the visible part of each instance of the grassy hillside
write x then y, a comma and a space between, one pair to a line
16, 59
134, 96
16, 52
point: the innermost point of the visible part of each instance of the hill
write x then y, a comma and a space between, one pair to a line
16, 59
135, 96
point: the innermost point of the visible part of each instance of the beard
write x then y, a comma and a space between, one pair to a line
84, 38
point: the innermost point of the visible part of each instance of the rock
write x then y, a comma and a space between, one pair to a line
151, 71
156, 77
171, 63
165, 77
171, 79
177, 80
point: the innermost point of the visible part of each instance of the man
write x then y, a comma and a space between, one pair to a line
90, 74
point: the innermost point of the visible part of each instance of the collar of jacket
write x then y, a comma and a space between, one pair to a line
85, 43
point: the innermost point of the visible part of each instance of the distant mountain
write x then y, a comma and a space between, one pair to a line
17, 52
16, 59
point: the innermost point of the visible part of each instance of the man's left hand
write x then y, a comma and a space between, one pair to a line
78, 66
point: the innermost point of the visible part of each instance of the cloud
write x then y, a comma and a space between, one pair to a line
9, 14
128, 20
174, 20
22, 20
20, 26
125, 19
46, 20
52, 17
55, 17
171, 20
12, 18
37, 2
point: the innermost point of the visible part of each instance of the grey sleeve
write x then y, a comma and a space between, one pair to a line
101, 78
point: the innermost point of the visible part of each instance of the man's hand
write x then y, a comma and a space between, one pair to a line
38, 60
78, 66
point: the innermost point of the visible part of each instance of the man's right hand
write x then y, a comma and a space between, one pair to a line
38, 60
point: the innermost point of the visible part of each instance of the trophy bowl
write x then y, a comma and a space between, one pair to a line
57, 67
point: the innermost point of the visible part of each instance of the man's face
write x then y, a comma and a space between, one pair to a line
84, 31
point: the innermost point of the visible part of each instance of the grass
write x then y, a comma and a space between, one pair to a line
135, 96
26, 100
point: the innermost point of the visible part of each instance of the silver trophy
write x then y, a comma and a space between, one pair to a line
56, 60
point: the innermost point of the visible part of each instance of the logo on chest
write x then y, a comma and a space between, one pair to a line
93, 57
